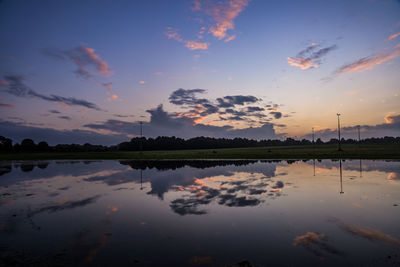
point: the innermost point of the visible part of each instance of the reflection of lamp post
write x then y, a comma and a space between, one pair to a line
314, 165
360, 169
141, 178
341, 183
338, 126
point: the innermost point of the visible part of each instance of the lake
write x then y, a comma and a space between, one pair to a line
200, 213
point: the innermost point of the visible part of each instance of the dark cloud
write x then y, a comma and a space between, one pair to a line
276, 114
163, 123
255, 109
233, 100
5, 105
123, 116
19, 131
367, 131
18, 88
310, 57
54, 111
187, 97
64, 117
84, 58
66, 205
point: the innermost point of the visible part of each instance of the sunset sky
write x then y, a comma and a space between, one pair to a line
89, 71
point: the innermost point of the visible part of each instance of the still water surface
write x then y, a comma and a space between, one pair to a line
200, 213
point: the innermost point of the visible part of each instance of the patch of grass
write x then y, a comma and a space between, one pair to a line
350, 151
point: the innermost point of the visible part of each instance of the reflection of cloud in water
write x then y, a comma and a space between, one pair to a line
373, 235
238, 190
65, 205
317, 244
394, 176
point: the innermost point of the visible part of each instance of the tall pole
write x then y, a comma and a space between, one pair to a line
141, 136
313, 135
338, 126
359, 136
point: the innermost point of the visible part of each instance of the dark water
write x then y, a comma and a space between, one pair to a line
200, 213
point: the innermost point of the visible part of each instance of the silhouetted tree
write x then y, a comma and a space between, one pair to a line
27, 145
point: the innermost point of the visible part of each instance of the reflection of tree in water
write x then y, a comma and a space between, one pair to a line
176, 164
24, 166
241, 193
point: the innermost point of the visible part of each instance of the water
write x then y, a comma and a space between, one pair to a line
200, 213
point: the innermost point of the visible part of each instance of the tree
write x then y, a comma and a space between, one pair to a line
28, 145
5, 144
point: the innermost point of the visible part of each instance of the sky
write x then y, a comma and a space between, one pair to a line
91, 71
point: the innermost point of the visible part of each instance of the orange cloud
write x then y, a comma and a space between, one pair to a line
195, 45
368, 63
224, 15
390, 118
308, 238
142, 82
230, 38
393, 36
303, 64
371, 234
5, 83
190, 44
394, 176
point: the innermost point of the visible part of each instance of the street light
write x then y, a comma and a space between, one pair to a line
338, 126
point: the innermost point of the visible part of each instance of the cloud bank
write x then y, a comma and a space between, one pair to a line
17, 87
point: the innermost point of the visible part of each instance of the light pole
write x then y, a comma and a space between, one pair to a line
338, 125
313, 137
141, 136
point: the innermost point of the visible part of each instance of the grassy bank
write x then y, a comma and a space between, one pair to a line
365, 151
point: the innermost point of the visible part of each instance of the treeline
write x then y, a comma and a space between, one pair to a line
174, 143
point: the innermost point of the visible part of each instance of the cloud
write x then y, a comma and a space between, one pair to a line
190, 44
64, 117
187, 97
317, 244
390, 128
231, 101
108, 85
224, 13
5, 105
163, 123
254, 109
54, 111
18, 88
277, 114
20, 130
367, 63
392, 118
373, 235
393, 36
83, 57
310, 57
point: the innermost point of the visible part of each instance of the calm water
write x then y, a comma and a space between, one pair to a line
200, 213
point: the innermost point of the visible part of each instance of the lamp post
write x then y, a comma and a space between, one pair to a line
141, 136
338, 123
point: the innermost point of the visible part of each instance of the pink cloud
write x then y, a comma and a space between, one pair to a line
368, 63
230, 38
393, 36
224, 14
392, 118
5, 83
303, 64
190, 44
84, 58
4, 105
108, 86
142, 82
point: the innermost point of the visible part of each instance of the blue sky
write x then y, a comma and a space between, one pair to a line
302, 62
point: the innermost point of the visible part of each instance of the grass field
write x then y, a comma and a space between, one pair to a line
365, 151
